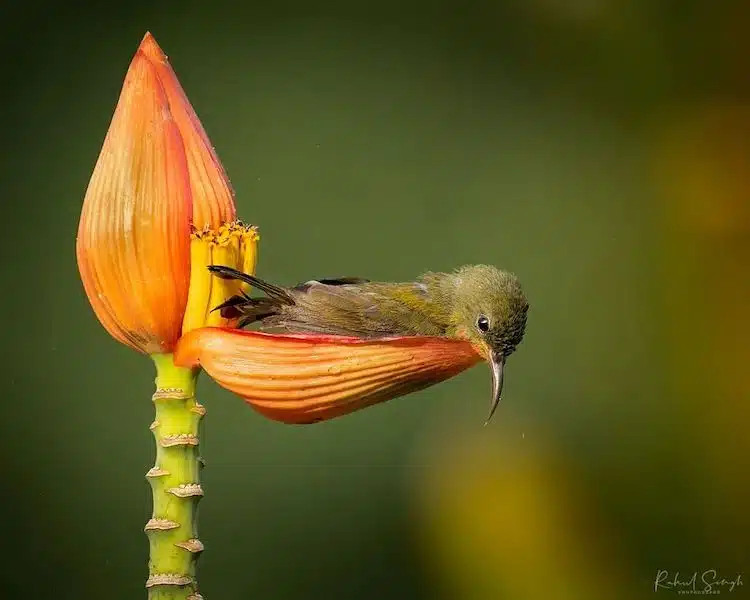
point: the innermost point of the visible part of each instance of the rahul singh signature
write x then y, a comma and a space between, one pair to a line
696, 583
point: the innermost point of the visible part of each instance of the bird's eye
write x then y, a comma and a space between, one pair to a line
483, 323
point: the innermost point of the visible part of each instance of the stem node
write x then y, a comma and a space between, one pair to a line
186, 490
170, 393
160, 525
179, 439
156, 472
168, 579
193, 545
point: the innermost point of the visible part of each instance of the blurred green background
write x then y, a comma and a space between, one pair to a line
598, 148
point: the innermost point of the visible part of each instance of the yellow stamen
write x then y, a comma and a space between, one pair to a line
232, 245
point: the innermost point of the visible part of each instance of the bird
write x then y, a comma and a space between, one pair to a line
477, 303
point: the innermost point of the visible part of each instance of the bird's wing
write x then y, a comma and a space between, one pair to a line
303, 287
361, 310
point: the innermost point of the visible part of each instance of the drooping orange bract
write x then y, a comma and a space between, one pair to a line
308, 378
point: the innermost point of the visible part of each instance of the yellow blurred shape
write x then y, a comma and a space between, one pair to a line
703, 166
510, 520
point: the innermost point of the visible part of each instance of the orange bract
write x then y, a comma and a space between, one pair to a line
156, 175
309, 378
133, 243
213, 196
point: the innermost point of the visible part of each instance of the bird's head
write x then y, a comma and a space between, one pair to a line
489, 309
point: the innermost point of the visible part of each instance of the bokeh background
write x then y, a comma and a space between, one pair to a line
598, 148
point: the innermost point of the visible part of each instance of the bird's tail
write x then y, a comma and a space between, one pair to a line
247, 309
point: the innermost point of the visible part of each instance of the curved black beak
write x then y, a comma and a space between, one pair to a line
497, 364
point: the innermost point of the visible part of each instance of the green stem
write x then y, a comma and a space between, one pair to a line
175, 483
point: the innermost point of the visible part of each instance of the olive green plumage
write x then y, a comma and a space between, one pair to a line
479, 302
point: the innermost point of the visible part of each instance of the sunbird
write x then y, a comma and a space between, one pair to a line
477, 303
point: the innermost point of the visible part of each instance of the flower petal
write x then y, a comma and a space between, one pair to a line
310, 378
213, 196
133, 244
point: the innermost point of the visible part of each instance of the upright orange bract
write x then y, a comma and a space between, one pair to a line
133, 242
157, 175
213, 196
